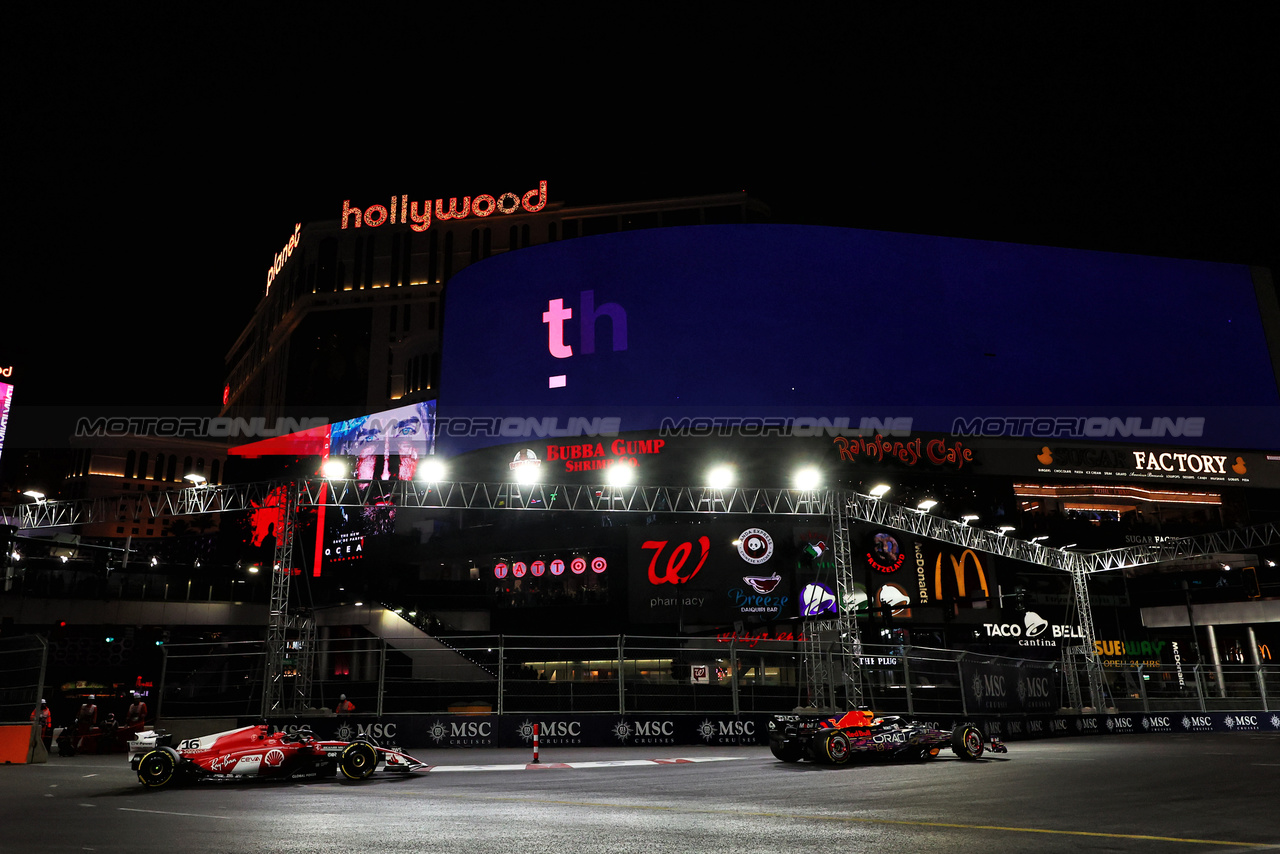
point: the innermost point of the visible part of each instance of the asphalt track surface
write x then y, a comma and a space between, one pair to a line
1215, 792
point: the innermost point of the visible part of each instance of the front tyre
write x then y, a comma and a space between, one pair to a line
157, 768
358, 761
967, 742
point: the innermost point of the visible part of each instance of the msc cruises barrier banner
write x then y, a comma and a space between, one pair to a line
675, 730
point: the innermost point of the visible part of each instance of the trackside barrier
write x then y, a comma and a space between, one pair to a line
20, 744
659, 730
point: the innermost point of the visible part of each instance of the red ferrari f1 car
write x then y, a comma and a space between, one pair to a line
257, 751
837, 740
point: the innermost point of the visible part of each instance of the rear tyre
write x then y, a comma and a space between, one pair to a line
157, 768
967, 742
358, 761
837, 749
786, 752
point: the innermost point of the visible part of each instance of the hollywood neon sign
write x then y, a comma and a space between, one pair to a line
401, 211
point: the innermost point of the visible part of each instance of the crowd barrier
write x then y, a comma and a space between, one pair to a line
20, 744
637, 675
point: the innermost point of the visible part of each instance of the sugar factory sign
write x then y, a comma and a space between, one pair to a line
1139, 462
418, 214
1167, 461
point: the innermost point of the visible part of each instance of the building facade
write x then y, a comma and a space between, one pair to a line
351, 317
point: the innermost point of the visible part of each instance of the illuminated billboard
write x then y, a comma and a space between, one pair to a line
714, 574
724, 330
386, 445
897, 576
6, 401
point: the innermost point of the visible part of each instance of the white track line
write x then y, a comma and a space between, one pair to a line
616, 763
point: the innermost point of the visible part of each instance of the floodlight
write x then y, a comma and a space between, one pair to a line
720, 477
432, 471
807, 479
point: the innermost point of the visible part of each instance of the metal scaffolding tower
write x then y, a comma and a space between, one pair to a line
290, 634
832, 646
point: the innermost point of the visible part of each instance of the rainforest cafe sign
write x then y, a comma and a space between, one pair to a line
911, 452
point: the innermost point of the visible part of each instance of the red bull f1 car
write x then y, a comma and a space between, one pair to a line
860, 734
257, 751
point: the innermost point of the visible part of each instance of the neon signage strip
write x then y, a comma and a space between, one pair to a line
283, 255
518, 569
1134, 493
6, 401
401, 210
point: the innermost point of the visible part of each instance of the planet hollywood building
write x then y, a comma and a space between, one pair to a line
959, 371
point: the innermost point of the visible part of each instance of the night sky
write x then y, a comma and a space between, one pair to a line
156, 164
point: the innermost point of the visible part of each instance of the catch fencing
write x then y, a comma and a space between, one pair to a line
23, 661
631, 674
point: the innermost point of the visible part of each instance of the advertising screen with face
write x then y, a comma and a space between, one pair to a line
386, 445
